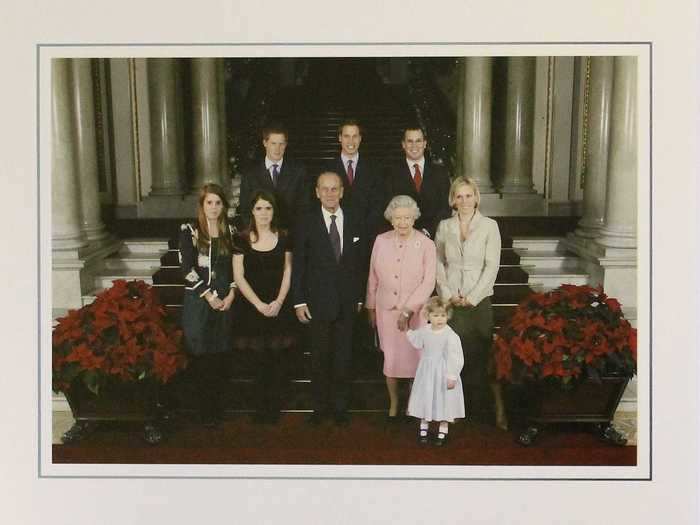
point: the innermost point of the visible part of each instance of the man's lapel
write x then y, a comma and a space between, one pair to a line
264, 177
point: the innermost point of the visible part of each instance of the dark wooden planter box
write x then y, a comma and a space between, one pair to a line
538, 404
116, 402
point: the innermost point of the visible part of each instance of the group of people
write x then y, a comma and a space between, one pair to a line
324, 251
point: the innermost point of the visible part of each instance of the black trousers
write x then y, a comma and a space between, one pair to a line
209, 374
474, 326
331, 363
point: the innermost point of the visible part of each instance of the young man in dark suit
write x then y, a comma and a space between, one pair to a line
328, 288
362, 182
427, 183
283, 177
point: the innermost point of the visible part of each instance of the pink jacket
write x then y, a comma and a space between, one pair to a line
401, 274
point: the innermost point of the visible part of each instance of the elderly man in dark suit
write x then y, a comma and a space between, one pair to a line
283, 177
328, 289
427, 183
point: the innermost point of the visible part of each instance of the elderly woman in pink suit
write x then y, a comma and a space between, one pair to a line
401, 280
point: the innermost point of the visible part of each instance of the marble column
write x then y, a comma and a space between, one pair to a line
520, 96
206, 133
225, 172
475, 120
598, 138
86, 148
620, 230
167, 169
66, 232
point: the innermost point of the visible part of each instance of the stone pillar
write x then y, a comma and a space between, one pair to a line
225, 172
86, 148
620, 230
519, 125
207, 108
475, 121
598, 128
66, 218
167, 170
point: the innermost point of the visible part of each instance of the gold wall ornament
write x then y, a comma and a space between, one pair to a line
547, 190
586, 94
133, 98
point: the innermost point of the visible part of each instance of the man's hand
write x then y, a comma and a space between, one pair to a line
303, 314
372, 317
451, 383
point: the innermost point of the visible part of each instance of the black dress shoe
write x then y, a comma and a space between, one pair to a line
392, 420
341, 418
423, 437
440, 440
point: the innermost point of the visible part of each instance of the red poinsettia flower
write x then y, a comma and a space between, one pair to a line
556, 333
123, 334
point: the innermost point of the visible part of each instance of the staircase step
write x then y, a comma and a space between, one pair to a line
170, 258
504, 293
512, 274
547, 259
144, 245
134, 261
105, 278
295, 395
539, 244
549, 278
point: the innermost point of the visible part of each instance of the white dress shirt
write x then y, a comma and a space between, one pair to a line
354, 160
338, 222
421, 165
269, 163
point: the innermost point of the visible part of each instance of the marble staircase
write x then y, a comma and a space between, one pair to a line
138, 258
547, 263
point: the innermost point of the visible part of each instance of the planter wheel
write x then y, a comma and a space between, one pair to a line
528, 437
610, 434
79, 431
152, 434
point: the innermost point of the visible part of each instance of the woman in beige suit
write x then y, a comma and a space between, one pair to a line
468, 258
401, 279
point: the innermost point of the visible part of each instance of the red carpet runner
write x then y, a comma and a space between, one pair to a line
367, 440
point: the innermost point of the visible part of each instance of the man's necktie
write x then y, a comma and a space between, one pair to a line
417, 178
275, 175
351, 173
335, 238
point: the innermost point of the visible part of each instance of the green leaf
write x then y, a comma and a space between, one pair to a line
142, 375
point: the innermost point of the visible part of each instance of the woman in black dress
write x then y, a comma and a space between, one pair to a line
206, 262
262, 267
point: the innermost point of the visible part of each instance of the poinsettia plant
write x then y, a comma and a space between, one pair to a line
565, 334
124, 334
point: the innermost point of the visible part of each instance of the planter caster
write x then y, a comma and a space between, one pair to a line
610, 434
79, 431
528, 437
152, 434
